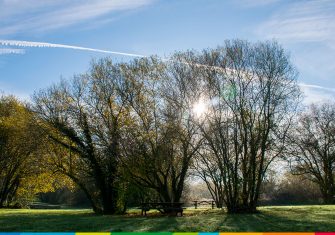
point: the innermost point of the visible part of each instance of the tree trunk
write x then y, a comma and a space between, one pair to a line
328, 197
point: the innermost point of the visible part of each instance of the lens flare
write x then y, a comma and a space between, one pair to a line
199, 108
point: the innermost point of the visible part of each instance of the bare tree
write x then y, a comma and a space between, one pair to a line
161, 143
251, 95
207, 168
312, 149
231, 107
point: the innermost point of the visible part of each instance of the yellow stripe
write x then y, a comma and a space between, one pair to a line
93, 233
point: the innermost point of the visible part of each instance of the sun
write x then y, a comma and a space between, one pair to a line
199, 108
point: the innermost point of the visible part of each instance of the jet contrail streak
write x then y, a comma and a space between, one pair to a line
54, 45
11, 51
316, 87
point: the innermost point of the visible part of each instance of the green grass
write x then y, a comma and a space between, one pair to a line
274, 218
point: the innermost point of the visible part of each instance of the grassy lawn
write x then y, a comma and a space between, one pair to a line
274, 218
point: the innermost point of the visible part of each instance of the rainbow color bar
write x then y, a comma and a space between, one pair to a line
167, 233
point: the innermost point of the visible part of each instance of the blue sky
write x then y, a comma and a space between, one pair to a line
305, 28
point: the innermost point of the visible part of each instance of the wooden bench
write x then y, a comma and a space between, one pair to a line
163, 207
207, 202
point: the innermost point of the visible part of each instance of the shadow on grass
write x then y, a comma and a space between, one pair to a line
260, 222
269, 222
269, 219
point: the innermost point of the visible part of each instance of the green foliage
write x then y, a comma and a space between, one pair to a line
85, 119
22, 173
17, 148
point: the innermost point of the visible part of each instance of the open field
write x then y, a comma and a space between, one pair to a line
279, 218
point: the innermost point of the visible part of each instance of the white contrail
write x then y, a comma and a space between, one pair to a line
11, 51
54, 45
316, 87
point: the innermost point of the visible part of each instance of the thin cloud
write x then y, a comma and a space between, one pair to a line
26, 16
254, 3
304, 85
316, 94
307, 27
54, 45
302, 21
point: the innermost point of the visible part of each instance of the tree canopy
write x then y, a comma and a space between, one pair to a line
138, 130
